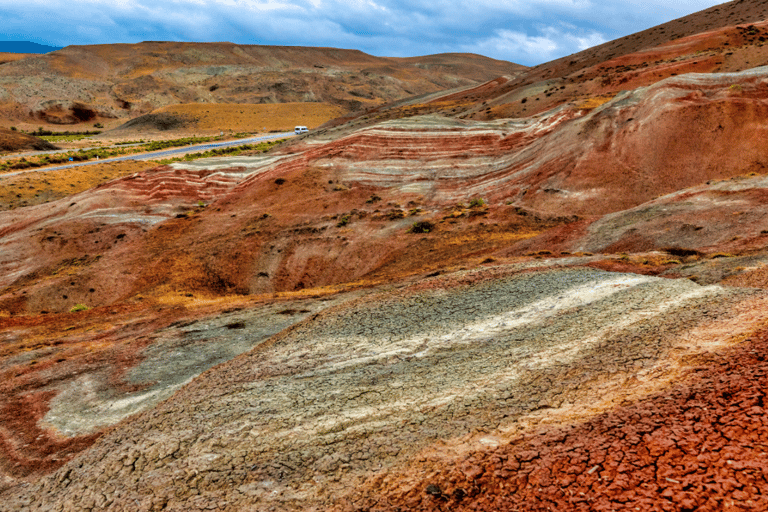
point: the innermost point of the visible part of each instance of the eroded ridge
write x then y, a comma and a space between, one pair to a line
450, 364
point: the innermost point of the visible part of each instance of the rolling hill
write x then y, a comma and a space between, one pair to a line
110, 83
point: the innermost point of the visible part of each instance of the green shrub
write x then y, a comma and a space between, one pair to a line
79, 307
477, 202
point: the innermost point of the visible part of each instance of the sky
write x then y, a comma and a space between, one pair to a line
523, 31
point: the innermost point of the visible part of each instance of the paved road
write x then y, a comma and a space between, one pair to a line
166, 153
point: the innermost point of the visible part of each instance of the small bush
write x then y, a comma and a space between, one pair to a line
477, 202
79, 307
344, 220
681, 252
423, 226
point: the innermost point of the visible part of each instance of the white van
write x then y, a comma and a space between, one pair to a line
300, 129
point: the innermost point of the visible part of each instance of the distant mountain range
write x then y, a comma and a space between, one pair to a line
26, 47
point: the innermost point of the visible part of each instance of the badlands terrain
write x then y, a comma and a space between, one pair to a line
537, 289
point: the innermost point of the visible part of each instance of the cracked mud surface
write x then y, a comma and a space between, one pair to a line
367, 388
698, 446
69, 378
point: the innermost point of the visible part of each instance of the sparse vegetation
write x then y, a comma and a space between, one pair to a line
261, 147
423, 226
40, 132
681, 252
79, 307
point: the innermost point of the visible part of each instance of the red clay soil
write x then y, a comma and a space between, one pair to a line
698, 446
40, 352
26, 449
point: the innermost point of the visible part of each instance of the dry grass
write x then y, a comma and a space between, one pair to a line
36, 187
11, 57
594, 102
251, 118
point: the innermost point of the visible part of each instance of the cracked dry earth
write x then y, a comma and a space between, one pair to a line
466, 391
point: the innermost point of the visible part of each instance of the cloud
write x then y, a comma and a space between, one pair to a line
547, 44
524, 31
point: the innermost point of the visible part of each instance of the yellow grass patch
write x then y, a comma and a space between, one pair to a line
251, 118
36, 187
594, 102
11, 57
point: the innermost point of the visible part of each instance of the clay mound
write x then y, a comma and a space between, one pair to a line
331, 411
99, 228
11, 141
636, 457
158, 121
715, 217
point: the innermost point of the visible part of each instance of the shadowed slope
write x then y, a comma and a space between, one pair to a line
11, 140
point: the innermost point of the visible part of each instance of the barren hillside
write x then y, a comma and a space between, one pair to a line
11, 141
536, 292
87, 84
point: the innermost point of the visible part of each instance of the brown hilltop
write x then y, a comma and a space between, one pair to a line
121, 81
457, 300
12, 141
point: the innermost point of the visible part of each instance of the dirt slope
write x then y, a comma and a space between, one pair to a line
327, 212
449, 365
11, 141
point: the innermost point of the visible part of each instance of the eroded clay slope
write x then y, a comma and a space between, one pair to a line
335, 210
66, 378
462, 363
